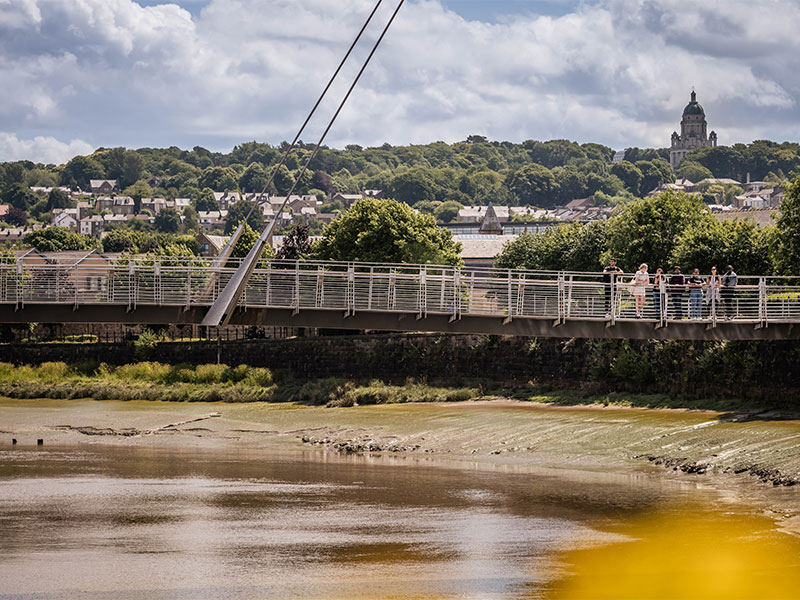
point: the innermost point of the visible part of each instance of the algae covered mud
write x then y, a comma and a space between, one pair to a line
472, 500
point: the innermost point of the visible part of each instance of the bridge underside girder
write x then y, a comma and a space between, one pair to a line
384, 321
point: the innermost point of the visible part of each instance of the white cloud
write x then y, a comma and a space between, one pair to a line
47, 150
615, 71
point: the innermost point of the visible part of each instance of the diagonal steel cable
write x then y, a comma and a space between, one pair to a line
226, 251
220, 312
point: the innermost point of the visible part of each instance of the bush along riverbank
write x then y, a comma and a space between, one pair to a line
697, 374
206, 383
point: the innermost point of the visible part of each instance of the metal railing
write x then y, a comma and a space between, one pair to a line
419, 290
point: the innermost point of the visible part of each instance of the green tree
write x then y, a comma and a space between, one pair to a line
296, 244
58, 199
58, 239
693, 171
629, 174
246, 242
740, 243
123, 240
206, 200
19, 196
132, 166
654, 173
254, 178
446, 212
41, 177
238, 213
787, 235
412, 186
483, 186
572, 183
168, 221
191, 222
80, 170
16, 217
219, 179
572, 247
646, 229
534, 185
386, 231
137, 191
283, 181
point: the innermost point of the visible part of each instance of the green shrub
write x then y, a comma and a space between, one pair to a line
52, 371
210, 373
323, 391
258, 376
145, 344
144, 371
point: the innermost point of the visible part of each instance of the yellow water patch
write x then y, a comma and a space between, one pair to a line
687, 554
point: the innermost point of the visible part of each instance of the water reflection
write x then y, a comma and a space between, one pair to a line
154, 523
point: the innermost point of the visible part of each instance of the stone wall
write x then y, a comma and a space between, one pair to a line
741, 369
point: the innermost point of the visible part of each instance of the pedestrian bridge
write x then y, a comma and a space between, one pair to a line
398, 297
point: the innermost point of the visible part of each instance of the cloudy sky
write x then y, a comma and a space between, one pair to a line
79, 74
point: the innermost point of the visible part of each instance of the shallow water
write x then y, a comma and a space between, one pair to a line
131, 522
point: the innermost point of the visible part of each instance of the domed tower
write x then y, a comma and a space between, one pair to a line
694, 133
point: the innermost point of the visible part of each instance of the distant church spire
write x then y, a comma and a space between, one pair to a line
490, 223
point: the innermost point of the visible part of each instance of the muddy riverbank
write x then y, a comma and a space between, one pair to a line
764, 448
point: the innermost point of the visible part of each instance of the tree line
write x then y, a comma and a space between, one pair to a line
436, 178
667, 230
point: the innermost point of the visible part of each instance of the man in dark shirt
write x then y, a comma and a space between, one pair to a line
729, 282
677, 284
609, 281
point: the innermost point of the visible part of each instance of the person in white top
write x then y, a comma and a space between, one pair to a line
640, 281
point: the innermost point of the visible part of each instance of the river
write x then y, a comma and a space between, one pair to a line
130, 522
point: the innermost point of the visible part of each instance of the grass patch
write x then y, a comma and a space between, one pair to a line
205, 383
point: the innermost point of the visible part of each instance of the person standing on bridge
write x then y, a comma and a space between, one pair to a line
640, 281
677, 283
696, 295
609, 282
729, 282
658, 278
713, 283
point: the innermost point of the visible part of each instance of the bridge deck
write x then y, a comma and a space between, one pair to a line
396, 297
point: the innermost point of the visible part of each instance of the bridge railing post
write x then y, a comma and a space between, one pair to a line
158, 291
371, 284
614, 302
762, 301
561, 317
131, 285
350, 296
319, 293
568, 309
510, 303
188, 288
662, 302
422, 293
296, 302
457, 294
714, 291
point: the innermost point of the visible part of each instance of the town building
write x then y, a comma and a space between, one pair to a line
694, 133
103, 186
92, 226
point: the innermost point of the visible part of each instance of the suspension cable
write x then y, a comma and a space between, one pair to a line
226, 251
222, 309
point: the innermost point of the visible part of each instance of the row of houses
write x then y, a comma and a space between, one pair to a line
758, 195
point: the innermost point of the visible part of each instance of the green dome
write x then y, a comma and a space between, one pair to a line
693, 108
